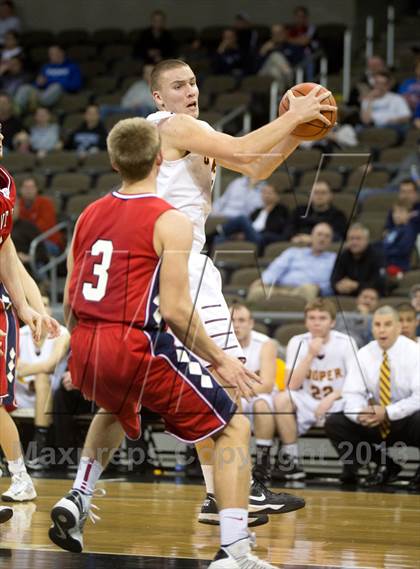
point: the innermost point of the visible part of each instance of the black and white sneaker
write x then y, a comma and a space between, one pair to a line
288, 469
263, 501
69, 516
209, 514
238, 556
5, 514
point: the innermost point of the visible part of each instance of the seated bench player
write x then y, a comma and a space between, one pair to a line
316, 364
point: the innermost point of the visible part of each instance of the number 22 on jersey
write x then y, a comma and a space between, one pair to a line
100, 270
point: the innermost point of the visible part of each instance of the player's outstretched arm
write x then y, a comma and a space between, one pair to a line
185, 133
59, 350
172, 242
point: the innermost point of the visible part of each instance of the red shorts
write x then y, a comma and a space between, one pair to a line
10, 348
122, 368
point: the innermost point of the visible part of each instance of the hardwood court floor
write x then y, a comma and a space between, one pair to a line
154, 526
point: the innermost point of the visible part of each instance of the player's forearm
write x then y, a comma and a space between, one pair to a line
264, 166
298, 374
10, 275
264, 139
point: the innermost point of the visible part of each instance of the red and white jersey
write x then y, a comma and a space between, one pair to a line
329, 368
252, 352
116, 269
187, 184
7, 203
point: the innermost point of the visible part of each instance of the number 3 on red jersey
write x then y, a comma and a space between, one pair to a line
100, 270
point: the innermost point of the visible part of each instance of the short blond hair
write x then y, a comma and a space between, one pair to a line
161, 68
133, 145
323, 305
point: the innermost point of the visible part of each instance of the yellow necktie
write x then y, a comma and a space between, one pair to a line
385, 393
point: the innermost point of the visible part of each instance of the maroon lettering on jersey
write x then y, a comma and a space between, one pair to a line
116, 270
7, 203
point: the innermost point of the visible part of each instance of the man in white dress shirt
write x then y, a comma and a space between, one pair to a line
381, 403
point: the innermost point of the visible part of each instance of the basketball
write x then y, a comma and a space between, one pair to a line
314, 130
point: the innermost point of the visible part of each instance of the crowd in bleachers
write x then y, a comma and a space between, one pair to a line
60, 95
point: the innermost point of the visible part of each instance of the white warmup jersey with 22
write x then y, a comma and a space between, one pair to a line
187, 184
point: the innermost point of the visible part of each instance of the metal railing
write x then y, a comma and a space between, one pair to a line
390, 36
347, 65
49, 270
241, 111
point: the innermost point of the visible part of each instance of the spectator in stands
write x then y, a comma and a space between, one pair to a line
264, 226
23, 233
301, 271
358, 265
382, 108
90, 136
408, 321
302, 33
408, 195
415, 302
320, 210
44, 135
137, 99
11, 48
10, 123
316, 364
381, 396
277, 57
358, 324
241, 197
410, 90
260, 352
399, 241
8, 20
156, 42
247, 37
13, 77
374, 64
60, 75
40, 210
37, 363
228, 59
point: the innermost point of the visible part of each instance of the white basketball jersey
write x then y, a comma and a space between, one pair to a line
187, 184
329, 369
252, 352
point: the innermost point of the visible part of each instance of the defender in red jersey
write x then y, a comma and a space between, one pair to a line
19, 296
127, 277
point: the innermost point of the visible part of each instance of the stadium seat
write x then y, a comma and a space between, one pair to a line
284, 333
91, 68
392, 157
378, 137
257, 84
278, 303
17, 162
374, 179
183, 34
76, 204
38, 55
75, 36
334, 179
346, 203
108, 182
73, 103
394, 301
103, 84
213, 221
235, 254
374, 223
409, 279
71, 122
343, 303
116, 51
293, 199
211, 117
211, 35
282, 181
97, 162
380, 204
273, 250
59, 161
35, 38
108, 36
240, 281
304, 160
216, 84
226, 102
82, 52
353, 158
69, 183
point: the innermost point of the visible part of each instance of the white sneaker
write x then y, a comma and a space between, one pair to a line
5, 514
69, 516
238, 556
21, 489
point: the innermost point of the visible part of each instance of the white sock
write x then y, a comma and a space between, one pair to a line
233, 525
291, 450
16, 466
264, 442
208, 477
88, 474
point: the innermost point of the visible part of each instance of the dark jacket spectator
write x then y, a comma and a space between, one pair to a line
14, 77
228, 58
10, 124
407, 194
278, 43
91, 134
399, 242
321, 210
156, 42
358, 266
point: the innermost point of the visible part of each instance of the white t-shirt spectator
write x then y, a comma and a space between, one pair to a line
387, 108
